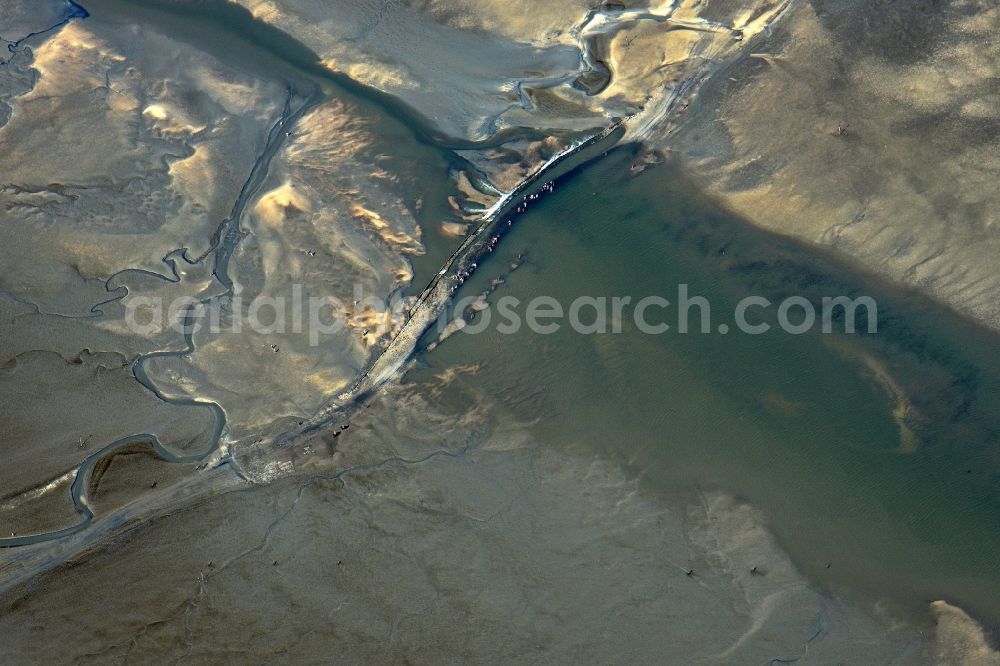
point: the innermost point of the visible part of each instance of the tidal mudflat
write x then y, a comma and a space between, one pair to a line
402, 487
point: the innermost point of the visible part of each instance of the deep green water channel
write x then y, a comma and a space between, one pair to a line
873, 456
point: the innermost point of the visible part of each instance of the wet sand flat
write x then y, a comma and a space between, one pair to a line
390, 495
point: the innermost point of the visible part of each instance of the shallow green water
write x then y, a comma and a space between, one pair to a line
801, 426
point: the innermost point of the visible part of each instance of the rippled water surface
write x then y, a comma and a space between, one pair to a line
804, 426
